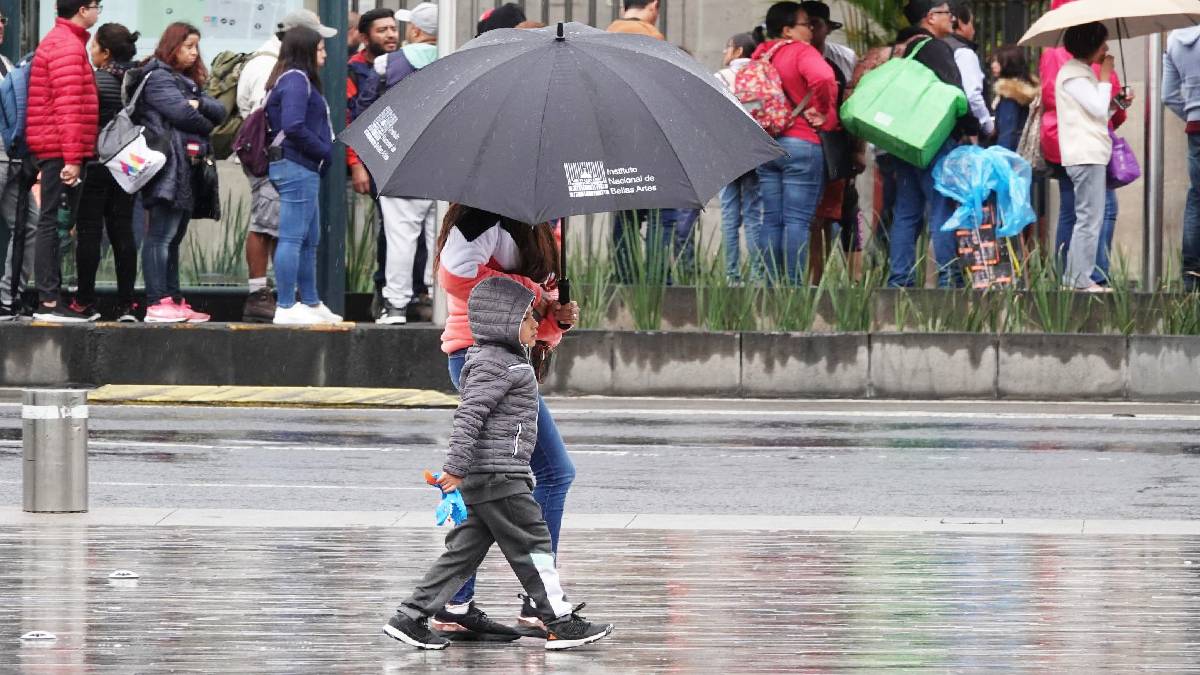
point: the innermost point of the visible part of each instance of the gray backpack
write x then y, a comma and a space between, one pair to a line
122, 147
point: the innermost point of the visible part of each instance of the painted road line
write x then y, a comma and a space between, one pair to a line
257, 486
867, 414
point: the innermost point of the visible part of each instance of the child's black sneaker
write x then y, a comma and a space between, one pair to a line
472, 626
413, 632
529, 622
573, 631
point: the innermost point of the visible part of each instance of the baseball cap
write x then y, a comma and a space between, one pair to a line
308, 19
820, 10
424, 16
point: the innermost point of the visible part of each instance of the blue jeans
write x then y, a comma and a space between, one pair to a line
299, 232
160, 252
741, 207
552, 467
1191, 219
916, 198
791, 189
1066, 226
675, 236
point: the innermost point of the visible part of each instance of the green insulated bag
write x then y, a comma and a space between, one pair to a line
904, 109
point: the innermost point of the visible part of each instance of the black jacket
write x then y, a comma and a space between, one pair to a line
164, 110
938, 56
108, 86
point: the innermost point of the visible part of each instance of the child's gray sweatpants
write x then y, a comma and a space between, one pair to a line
514, 523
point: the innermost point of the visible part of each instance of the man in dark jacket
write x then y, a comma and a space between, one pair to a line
495, 429
62, 123
915, 192
966, 55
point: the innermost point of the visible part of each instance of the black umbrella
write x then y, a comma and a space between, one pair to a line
542, 124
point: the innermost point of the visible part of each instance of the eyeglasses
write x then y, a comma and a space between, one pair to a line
941, 11
96, 7
3, 20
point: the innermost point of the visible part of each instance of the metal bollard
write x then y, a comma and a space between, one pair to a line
54, 435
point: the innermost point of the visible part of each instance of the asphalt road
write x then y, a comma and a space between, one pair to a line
1108, 461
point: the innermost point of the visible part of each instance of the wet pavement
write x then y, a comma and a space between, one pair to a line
1101, 461
313, 601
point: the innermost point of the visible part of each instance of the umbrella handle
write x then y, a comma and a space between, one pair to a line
564, 298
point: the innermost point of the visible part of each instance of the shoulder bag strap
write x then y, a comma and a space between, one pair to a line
138, 93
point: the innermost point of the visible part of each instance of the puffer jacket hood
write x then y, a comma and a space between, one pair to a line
496, 309
1018, 90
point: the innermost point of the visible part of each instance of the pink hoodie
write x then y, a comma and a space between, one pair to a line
1052, 61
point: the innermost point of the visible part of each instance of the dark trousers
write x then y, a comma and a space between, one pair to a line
47, 254
515, 524
104, 207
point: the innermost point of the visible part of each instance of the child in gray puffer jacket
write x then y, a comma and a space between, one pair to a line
495, 428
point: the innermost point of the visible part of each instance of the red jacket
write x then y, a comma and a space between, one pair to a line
63, 117
801, 67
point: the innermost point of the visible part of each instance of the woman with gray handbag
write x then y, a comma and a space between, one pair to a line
103, 205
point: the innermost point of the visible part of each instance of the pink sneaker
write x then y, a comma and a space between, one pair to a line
165, 311
192, 315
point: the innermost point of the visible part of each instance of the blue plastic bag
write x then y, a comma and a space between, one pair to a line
970, 174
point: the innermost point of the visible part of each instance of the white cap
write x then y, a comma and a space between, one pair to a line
308, 19
424, 16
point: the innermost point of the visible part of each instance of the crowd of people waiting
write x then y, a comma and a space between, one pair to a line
787, 214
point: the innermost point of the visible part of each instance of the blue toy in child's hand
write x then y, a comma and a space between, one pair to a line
451, 506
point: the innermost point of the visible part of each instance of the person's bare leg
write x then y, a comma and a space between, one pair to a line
818, 248
259, 249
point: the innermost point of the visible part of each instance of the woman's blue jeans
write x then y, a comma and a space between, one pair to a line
299, 232
741, 207
790, 188
1066, 226
160, 252
552, 467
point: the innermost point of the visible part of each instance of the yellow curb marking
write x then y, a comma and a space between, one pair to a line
347, 397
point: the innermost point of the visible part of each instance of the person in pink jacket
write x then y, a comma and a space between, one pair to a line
474, 245
1052, 61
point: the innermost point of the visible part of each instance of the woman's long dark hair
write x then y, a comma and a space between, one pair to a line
298, 51
781, 15
1013, 63
538, 248
168, 46
118, 41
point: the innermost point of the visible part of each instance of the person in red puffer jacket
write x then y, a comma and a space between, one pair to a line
61, 126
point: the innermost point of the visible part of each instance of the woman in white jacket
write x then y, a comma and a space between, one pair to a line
1083, 111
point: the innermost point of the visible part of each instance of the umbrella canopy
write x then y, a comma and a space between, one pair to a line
534, 126
1123, 18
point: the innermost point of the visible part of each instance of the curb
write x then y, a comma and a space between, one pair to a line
305, 397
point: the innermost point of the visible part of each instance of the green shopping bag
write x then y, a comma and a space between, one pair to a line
904, 109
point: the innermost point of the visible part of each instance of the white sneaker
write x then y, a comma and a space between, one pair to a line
298, 314
326, 313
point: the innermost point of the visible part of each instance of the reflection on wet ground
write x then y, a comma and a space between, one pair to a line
312, 601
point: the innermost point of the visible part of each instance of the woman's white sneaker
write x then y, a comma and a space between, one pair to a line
298, 314
326, 313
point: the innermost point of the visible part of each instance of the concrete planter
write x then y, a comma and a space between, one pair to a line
621, 363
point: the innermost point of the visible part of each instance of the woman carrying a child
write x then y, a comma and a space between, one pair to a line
475, 245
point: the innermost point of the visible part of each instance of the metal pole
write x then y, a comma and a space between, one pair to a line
447, 43
331, 256
54, 438
1152, 231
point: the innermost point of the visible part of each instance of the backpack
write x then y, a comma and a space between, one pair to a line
223, 85
760, 89
14, 102
251, 144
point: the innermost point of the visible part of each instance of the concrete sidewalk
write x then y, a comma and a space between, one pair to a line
313, 600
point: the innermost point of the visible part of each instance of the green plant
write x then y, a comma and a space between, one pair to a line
1120, 314
1180, 314
649, 268
227, 262
724, 305
852, 301
592, 285
1052, 308
361, 239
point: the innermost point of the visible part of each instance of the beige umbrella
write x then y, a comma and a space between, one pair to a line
1124, 18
